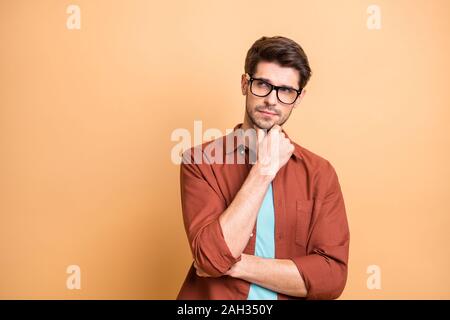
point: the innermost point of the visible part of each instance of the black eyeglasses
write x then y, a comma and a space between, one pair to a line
262, 88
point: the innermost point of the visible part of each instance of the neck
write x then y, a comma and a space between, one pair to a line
247, 124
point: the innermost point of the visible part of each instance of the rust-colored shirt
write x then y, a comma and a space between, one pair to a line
311, 225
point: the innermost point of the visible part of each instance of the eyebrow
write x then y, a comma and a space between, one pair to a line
284, 86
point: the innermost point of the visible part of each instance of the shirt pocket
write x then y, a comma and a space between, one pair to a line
303, 219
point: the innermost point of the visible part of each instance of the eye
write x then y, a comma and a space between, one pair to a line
287, 90
261, 84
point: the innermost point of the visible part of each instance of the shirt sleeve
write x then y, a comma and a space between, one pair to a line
202, 206
324, 268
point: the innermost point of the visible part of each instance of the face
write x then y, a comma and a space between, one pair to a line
265, 112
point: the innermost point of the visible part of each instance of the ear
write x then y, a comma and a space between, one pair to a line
300, 97
244, 84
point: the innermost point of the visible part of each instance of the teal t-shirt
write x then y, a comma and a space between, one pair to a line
265, 243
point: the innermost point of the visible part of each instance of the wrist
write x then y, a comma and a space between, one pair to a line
237, 270
262, 173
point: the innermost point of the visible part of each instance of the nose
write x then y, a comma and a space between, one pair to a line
272, 98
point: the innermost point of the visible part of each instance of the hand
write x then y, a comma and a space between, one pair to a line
274, 150
236, 270
233, 272
199, 271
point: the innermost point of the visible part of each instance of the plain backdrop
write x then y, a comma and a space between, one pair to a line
86, 117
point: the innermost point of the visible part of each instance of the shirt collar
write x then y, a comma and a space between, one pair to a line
297, 151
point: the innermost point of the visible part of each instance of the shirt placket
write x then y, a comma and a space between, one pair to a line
280, 214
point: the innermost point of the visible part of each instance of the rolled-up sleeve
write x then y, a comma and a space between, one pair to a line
324, 267
202, 206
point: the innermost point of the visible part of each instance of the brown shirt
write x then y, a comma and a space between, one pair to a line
310, 220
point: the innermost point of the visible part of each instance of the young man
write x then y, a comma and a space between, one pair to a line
275, 227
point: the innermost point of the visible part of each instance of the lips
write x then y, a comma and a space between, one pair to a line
267, 112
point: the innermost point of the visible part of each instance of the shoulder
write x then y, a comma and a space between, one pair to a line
318, 168
312, 159
204, 154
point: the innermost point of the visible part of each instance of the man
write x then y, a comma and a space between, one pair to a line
273, 228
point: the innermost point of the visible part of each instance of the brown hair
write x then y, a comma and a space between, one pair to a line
284, 51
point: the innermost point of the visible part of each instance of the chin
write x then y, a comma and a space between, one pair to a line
265, 125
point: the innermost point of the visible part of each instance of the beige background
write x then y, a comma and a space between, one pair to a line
86, 116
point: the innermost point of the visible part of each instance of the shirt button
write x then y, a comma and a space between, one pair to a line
251, 234
241, 149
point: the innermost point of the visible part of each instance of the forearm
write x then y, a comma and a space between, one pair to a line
279, 275
238, 220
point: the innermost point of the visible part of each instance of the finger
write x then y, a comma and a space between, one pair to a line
199, 272
276, 127
260, 134
276, 136
292, 148
202, 274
